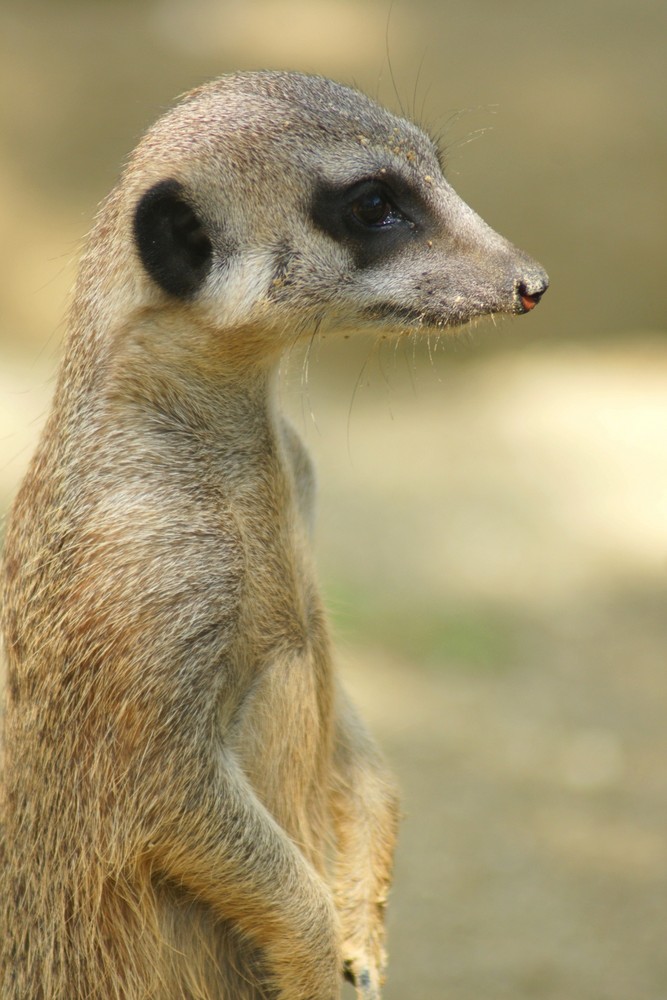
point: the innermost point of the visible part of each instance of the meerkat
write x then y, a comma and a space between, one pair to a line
191, 806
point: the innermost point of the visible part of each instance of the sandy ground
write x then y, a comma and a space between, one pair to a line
493, 539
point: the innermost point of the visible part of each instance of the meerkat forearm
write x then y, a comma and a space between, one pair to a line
224, 848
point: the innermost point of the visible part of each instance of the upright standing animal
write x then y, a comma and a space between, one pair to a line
192, 808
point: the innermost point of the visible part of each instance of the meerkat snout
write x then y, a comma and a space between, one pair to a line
530, 288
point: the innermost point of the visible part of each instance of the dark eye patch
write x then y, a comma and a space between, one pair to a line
171, 240
373, 216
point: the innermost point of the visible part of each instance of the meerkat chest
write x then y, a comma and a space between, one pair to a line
282, 732
282, 729
272, 506
280, 616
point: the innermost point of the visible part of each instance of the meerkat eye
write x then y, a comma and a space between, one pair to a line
373, 208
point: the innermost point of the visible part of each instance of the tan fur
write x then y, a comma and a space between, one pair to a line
192, 807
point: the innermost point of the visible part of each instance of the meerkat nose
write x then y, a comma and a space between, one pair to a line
530, 288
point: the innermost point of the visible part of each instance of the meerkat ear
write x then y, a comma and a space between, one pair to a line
171, 240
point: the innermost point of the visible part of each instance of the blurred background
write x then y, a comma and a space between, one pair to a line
493, 513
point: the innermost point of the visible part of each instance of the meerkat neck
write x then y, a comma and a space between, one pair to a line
228, 404
175, 374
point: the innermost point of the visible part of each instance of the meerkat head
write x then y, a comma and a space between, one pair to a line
265, 203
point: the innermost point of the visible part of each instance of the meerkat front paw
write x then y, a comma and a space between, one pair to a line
364, 954
366, 980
